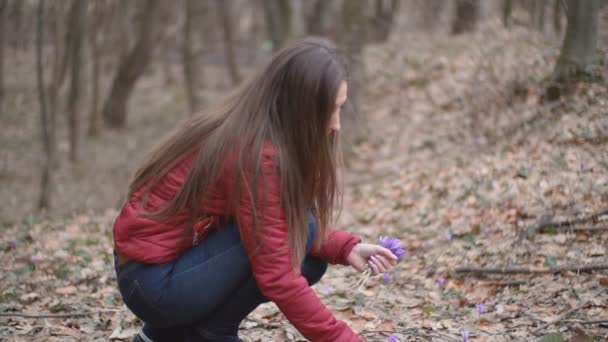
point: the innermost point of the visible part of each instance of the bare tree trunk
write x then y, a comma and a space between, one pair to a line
578, 50
315, 23
61, 58
352, 38
226, 24
3, 17
465, 16
382, 21
538, 14
507, 9
557, 16
189, 62
45, 182
278, 20
75, 31
94, 29
131, 68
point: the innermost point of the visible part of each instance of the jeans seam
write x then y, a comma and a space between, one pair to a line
175, 276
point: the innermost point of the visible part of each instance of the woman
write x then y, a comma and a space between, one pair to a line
219, 217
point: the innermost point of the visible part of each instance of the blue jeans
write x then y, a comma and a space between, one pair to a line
205, 293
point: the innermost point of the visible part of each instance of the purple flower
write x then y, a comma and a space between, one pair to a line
12, 241
449, 235
465, 335
393, 338
386, 276
440, 281
327, 289
481, 308
34, 258
394, 245
584, 166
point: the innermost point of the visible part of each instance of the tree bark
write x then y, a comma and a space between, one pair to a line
578, 49
3, 17
316, 24
46, 176
538, 14
278, 21
507, 9
190, 66
352, 38
75, 31
226, 25
465, 16
557, 16
96, 21
382, 21
131, 68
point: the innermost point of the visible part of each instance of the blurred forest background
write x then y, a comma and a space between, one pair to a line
476, 132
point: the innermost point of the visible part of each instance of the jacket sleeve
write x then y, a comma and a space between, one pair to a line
271, 262
337, 247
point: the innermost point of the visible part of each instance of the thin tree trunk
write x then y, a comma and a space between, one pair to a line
466, 16
352, 38
131, 68
226, 24
507, 9
538, 14
190, 66
3, 17
578, 49
75, 30
45, 180
278, 20
94, 123
316, 25
557, 16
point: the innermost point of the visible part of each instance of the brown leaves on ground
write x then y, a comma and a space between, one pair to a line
461, 146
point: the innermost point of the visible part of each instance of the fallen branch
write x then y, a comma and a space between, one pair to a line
50, 315
546, 222
566, 314
526, 270
594, 321
505, 283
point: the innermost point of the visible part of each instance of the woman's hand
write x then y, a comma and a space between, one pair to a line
378, 258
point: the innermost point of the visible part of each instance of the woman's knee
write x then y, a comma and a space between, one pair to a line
312, 230
313, 269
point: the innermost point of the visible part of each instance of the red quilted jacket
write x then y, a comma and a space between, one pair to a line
150, 241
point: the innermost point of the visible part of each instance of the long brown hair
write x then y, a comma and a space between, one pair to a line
289, 104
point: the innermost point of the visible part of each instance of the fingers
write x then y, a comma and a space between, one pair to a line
379, 264
387, 254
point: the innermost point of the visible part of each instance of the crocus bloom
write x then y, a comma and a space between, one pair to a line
34, 258
12, 241
449, 235
481, 308
465, 335
440, 281
393, 338
394, 245
387, 276
327, 289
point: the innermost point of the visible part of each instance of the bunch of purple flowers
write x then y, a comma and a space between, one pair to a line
393, 245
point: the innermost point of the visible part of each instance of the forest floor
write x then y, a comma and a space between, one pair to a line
465, 163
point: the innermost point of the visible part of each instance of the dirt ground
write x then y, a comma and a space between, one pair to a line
463, 160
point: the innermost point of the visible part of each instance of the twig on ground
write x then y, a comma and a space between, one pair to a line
546, 222
594, 321
50, 315
505, 283
561, 317
526, 270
